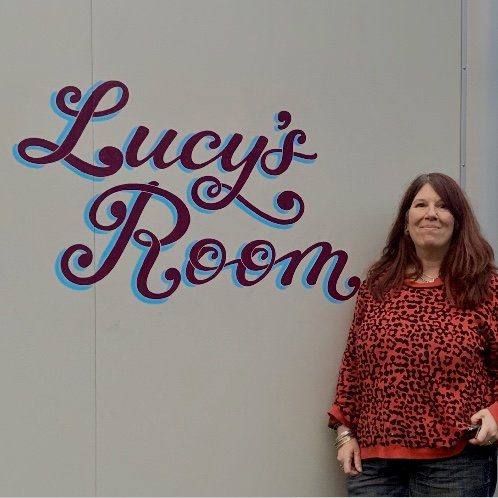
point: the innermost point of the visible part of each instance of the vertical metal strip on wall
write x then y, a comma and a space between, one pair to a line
463, 95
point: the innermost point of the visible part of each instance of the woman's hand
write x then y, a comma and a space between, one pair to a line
349, 458
488, 433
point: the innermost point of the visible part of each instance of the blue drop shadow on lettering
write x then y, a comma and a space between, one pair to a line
185, 280
83, 100
111, 244
150, 161
144, 249
277, 122
119, 94
168, 204
190, 200
222, 147
232, 267
96, 161
69, 124
309, 266
263, 173
285, 263
303, 160
206, 273
86, 216
260, 257
161, 135
326, 279
179, 150
277, 207
268, 223
281, 266
244, 155
85, 176
125, 146
78, 266
117, 231
63, 279
295, 207
209, 140
70, 121
134, 276
141, 247
19, 159
67, 128
62, 136
66, 117
109, 214
22, 161
240, 205
81, 103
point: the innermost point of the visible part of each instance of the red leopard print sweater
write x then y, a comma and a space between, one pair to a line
415, 370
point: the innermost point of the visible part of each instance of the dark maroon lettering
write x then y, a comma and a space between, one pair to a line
111, 157
128, 220
286, 153
157, 154
206, 258
171, 275
256, 257
324, 255
205, 248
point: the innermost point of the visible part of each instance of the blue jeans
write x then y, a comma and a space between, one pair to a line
470, 473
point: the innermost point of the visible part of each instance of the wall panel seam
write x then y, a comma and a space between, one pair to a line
463, 94
95, 470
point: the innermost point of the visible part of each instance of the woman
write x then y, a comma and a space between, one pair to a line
421, 361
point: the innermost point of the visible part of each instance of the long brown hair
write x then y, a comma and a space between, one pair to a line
467, 266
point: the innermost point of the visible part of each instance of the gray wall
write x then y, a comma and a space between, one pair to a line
221, 390
482, 114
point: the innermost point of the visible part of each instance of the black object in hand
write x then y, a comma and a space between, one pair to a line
472, 431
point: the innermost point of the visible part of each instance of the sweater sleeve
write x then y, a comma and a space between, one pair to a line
345, 409
492, 359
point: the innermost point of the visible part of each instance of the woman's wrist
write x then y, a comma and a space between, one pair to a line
341, 429
344, 435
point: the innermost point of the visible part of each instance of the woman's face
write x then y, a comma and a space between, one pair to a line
430, 223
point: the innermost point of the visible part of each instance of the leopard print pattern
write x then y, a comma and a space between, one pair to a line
416, 368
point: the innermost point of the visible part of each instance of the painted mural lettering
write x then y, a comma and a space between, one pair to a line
204, 259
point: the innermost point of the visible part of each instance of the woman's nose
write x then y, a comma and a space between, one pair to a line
431, 211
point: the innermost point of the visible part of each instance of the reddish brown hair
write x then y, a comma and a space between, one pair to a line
468, 264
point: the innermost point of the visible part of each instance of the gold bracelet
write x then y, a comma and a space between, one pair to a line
347, 431
342, 442
343, 438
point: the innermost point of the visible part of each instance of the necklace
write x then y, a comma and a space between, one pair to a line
427, 279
